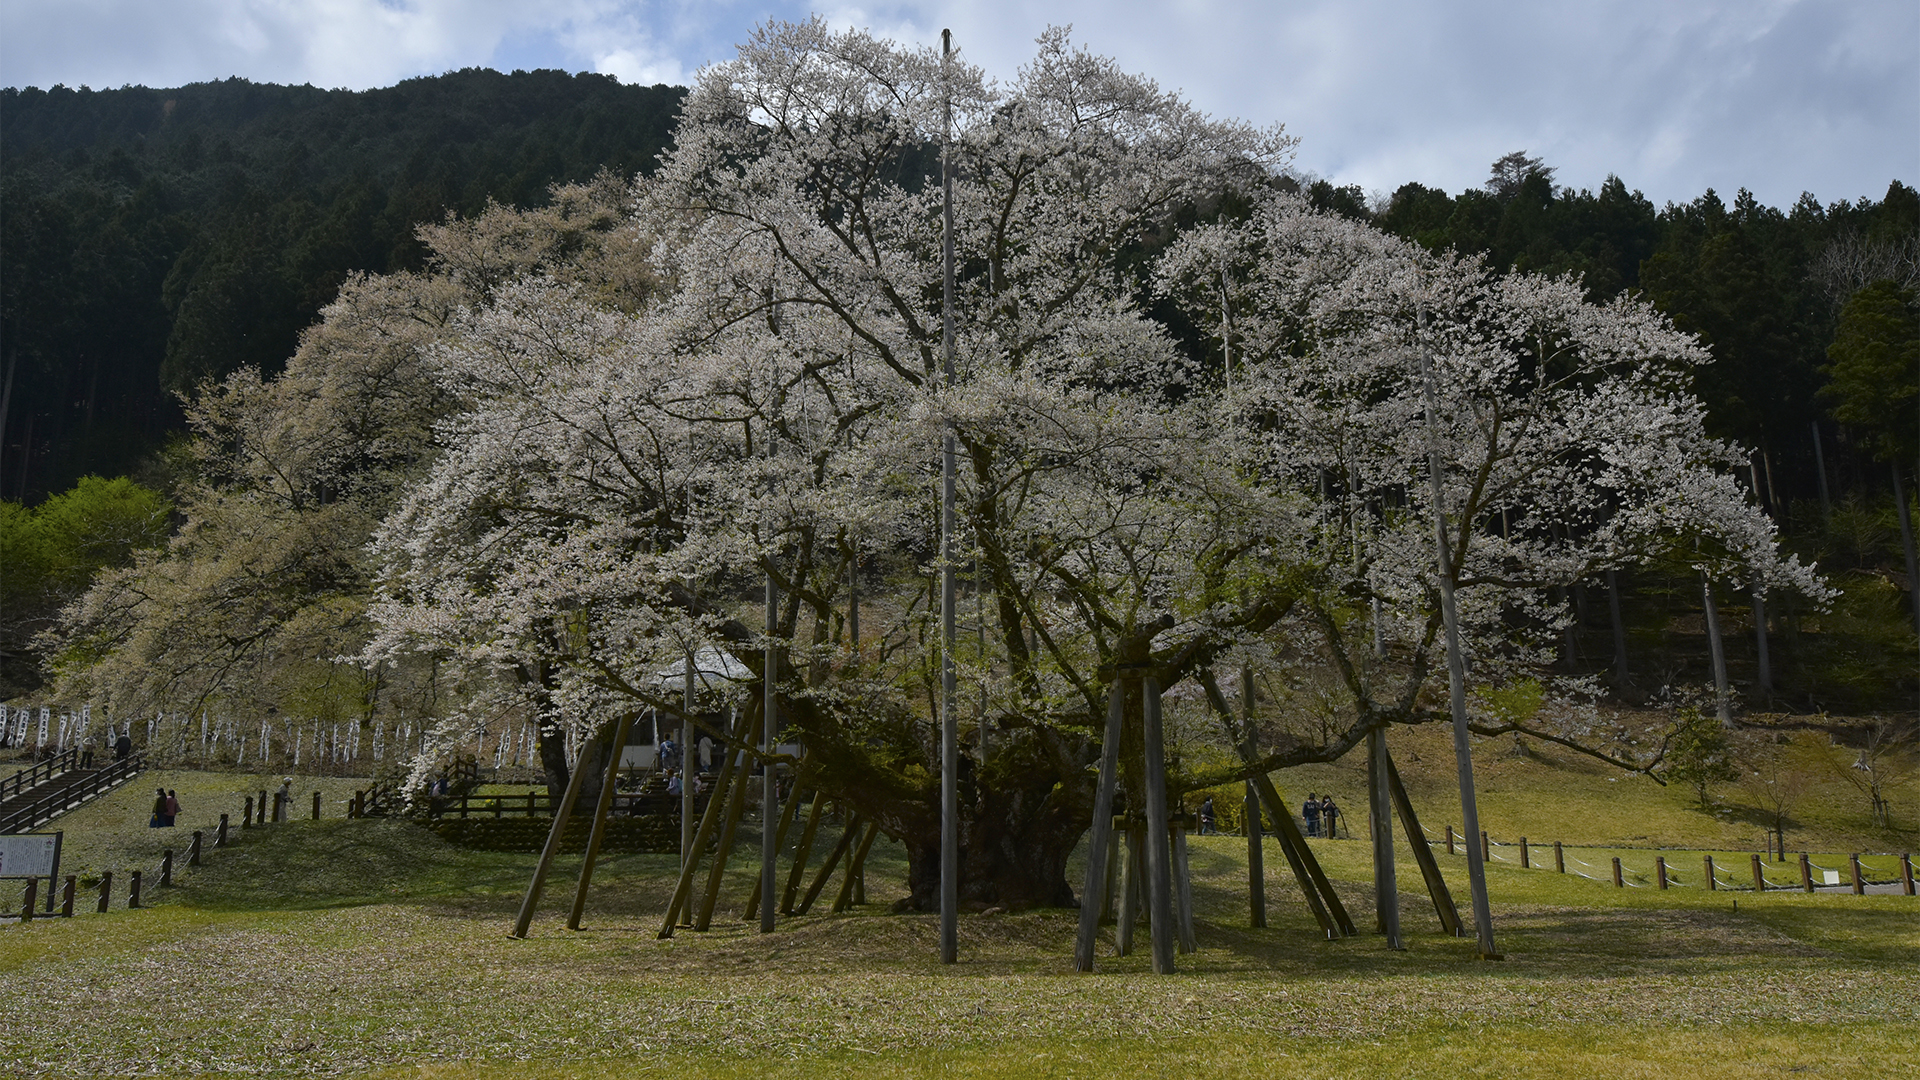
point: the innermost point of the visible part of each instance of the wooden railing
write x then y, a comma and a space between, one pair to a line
84, 788
541, 804
39, 774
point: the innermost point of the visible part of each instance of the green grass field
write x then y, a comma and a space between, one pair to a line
371, 948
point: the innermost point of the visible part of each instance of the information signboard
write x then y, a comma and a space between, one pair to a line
30, 855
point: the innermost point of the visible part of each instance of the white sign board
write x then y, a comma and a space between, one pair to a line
28, 855
1833, 876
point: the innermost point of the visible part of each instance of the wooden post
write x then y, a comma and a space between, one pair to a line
260, 809
1098, 847
1450, 850
246, 820
1386, 886
316, 806
1619, 882
1660, 869
1109, 895
1524, 863
1130, 890
802, 853
1486, 846
220, 837
1183, 890
854, 824
1906, 872
779, 841
1559, 858
106, 890
854, 866
683, 890
600, 811
1759, 879
729, 826
1423, 856
524, 918
1859, 884
193, 849
1159, 846
1326, 907
166, 867
1806, 872
29, 900
66, 898
1712, 882
133, 889
1256, 851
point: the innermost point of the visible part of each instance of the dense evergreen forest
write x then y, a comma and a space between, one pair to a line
154, 238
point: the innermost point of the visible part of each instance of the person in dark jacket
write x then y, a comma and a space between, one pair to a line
159, 818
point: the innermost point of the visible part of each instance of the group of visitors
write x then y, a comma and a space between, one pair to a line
1320, 813
166, 807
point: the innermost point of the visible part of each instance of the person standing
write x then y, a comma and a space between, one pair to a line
1310, 811
173, 808
1330, 815
1206, 816
159, 818
122, 746
283, 799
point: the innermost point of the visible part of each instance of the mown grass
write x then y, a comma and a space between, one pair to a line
373, 948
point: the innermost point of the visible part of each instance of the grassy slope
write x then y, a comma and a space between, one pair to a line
373, 948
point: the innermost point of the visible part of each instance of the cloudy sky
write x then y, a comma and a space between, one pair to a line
1675, 96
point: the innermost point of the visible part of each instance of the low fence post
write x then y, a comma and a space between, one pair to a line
133, 890
1806, 872
166, 867
1759, 879
106, 890
220, 838
1559, 858
1524, 863
1712, 882
1450, 838
66, 898
1486, 846
1660, 869
260, 813
1619, 882
1906, 872
316, 806
1859, 886
246, 818
193, 850
31, 899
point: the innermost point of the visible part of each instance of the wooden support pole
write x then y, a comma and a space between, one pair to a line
1759, 879
29, 900
133, 890
1386, 885
524, 918
1159, 846
316, 806
1906, 873
849, 883
601, 810
802, 853
1256, 850
1109, 895
1859, 884
166, 867
1130, 890
1559, 858
729, 829
1098, 845
1660, 869
193, 849
1806, 872
66, 898
1618, 881
779, 841
1486, 846
1525, 863
1443, 905
1183, 890
683, 889
854, 824
106, 891
1713, 883
220, 838
1326, 907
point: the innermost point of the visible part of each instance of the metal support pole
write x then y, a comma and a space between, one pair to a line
949, 720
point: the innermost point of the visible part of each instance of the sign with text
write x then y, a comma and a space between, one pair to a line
29, 855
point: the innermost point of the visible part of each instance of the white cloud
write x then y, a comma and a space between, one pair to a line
1776, 95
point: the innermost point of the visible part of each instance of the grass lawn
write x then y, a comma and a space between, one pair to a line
372, 948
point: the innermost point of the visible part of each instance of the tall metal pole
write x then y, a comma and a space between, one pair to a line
1456, 666
769, 729
949, 718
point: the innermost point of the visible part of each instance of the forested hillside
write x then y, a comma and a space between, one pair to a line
155, 238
